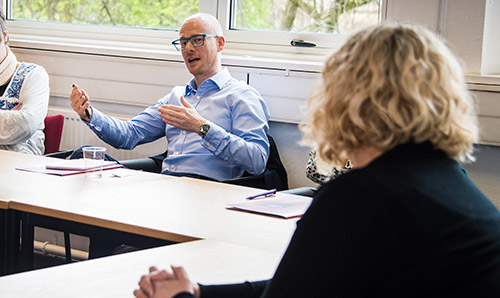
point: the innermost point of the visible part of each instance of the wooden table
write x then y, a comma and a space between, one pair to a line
38, 188
172, 208
206, 261
158, 206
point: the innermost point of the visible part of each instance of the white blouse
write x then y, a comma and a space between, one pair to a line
22, 130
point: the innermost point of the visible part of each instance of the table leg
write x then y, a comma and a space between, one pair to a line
27, 239
3, 242
12, 244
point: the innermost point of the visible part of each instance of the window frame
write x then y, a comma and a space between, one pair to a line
247, 45
239, 42
280, 40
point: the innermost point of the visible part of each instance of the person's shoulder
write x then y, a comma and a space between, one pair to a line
32, 69
237, 84
232, 84
348, 180
174, 96
28, 76
355, 187
239, 90
30, 66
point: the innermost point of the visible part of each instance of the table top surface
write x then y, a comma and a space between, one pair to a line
159, 206
219, 245
206, 261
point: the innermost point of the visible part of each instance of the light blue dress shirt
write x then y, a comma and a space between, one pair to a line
236, 141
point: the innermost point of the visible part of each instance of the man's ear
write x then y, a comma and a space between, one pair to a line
221, 42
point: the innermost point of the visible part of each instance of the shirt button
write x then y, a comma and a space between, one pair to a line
176, 153
172, 167
226, 158
197, 97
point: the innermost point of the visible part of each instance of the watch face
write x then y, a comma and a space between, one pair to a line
204, 129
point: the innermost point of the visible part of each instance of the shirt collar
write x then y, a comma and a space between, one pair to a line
217, 81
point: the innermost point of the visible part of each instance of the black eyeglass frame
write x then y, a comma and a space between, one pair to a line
178, 46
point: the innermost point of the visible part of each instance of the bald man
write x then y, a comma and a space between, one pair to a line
216, 126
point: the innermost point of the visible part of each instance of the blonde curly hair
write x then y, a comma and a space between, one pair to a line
388, 85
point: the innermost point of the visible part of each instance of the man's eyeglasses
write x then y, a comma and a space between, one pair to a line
196, 40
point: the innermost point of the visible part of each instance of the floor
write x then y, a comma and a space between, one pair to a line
43, 261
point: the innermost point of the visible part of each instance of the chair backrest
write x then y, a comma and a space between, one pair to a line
53, 132
274, 175
276, 167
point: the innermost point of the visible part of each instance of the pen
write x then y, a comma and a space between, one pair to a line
270, 193
86, 110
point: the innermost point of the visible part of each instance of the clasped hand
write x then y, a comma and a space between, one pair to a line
166, 284
184, 117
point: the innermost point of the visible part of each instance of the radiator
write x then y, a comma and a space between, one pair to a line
76, 134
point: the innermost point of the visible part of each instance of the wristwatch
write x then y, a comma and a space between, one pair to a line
204, 128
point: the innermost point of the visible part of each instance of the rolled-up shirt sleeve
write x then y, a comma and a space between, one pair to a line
146, 127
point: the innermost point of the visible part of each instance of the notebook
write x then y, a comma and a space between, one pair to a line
285, 206
79, 164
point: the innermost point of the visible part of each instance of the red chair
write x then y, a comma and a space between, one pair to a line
53, 132
53, 135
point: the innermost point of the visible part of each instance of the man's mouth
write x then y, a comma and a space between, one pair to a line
190, 60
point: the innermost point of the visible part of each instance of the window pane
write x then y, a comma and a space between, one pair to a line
163, 14
315, 16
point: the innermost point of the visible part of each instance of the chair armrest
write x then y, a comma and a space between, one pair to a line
250, 181
63, 154
267, 180
301, 191
145, 164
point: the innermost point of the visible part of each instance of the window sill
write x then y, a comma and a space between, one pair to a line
483, 82
231, 56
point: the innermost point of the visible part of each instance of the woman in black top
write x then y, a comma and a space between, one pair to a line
405, 221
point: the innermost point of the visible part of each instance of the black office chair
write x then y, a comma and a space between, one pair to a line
274, 175
302, 191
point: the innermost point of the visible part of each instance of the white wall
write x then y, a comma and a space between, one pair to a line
459, 22
470, 28
491, 47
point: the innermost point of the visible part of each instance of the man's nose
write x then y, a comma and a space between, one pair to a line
189, 46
